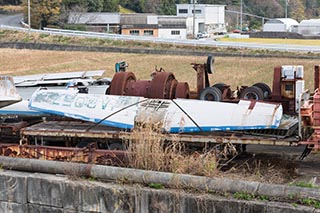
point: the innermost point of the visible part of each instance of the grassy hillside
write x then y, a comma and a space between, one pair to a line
234, 71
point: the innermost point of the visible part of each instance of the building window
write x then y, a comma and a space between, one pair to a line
197, 11
185, 11
148, 32
134, 32
175, 32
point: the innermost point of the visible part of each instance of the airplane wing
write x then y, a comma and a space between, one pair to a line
56, 78
178, 115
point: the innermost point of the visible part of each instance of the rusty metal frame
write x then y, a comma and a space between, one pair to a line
68, 129
69, 154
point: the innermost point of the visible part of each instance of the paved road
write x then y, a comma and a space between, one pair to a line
12, 20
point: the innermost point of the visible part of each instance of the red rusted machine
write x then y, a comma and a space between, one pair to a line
162, 85
287, 85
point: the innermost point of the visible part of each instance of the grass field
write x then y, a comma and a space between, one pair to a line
234, 71
306, 42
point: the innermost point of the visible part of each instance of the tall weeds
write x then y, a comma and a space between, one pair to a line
149, 151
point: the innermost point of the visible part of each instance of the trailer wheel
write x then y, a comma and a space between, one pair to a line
252, 93
225, 90
83, 144
265, 89
211, 94
220, 86
209, 66
116, 146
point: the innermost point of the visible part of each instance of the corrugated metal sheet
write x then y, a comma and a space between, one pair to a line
138, 19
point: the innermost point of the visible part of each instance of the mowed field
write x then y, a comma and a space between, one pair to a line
234, 71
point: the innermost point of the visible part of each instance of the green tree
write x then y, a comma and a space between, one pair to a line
95, 5
43, 12
297, 10
90, 5
111, 6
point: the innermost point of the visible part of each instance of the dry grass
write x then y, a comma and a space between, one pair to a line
12, 8
234, 71
148, 151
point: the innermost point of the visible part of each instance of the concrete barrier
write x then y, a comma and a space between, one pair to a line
178, 181
22, 192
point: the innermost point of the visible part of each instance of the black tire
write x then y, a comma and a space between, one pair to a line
211, 94
220, 86
252, 93
209, 66
265, 89
83, 144
116, 146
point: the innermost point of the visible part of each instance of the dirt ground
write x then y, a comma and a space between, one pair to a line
276, 165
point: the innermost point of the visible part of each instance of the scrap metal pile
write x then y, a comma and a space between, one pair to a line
73, 125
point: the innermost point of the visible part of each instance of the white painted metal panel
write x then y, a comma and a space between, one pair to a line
21, 109
166, 33
8, 92
49, 78
180, 115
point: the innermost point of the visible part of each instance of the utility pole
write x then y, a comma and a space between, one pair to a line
194, 19
241, 16
286, 15
29, 18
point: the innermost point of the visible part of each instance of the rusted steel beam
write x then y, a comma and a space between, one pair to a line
69, 154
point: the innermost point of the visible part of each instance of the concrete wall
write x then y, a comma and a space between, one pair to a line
36, 192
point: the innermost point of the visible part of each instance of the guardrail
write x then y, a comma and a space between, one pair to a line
209, 43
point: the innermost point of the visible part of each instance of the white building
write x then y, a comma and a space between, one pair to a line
203, 18
172, 27
280, 25
309, 27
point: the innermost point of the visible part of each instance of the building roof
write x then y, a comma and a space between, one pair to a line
287, 21
138, 18
93, 18
172, 22
312, 22
203, 5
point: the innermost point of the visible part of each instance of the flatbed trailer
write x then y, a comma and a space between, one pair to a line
75, 140
76, 131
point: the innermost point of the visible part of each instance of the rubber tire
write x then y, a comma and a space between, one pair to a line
220, 86
253, 90
213, 92
265, 89
209, 65
116, 146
